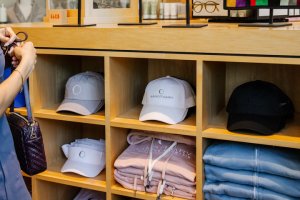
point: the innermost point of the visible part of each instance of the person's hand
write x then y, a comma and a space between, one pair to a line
24, 57
7, 36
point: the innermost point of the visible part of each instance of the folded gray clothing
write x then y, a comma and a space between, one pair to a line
243, 191
266, 159
136, 179
130, 171
280, 184
209, 196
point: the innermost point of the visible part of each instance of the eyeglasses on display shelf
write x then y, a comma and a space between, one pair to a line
209, 6
140, 22
258, 4
188, 20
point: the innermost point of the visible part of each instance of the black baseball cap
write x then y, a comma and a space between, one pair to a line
258, 106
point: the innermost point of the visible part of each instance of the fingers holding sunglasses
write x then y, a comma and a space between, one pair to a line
7, 36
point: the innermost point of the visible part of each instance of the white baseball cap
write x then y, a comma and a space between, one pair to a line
167, 99
83, 159
84, 94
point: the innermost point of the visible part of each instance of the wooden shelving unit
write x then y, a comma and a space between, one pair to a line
131, 120
98, 183
97, 118
212, 60
22, 111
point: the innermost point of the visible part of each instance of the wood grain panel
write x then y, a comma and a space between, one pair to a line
128, 79
216, 38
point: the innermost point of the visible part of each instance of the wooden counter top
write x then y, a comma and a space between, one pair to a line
228, 39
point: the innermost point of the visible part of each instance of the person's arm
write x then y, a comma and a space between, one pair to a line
24, 58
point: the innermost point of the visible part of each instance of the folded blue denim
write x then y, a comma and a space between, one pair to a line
243, 191
241, 156
274, 183
209, 196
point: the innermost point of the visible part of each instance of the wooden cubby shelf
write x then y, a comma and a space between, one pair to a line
131, 120
288, 137
98, 183
97, 119
22, 111
213, 60
26, 175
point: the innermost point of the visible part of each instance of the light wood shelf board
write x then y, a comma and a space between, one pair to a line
174, 56
215, 38
130, 120
119, 190
97, 119
22, 111
287, 137
25, 175
98, 183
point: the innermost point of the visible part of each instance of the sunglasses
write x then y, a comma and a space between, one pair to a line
21, 37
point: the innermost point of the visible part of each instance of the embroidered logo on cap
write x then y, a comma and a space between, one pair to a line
76, 90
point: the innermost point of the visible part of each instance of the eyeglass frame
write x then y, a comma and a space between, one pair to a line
199, 3
6, 49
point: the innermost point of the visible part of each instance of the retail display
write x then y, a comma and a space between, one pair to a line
262, 3
86, 194
168, 100
258, 106
85, 157
28, 139
250, 171
158, 163
268, 4
84, 94
214, 61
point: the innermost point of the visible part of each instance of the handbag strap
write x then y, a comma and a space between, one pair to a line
12, 105
27, 102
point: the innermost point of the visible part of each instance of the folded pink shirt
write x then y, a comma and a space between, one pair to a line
181, 164
139, 180
169, 189
160, 163
131, 172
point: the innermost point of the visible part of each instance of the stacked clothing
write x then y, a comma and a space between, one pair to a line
239, 171
158, 163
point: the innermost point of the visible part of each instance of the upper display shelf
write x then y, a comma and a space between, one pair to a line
224, 39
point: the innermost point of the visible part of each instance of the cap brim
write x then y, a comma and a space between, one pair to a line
83, 169
164, 114
82, 107
260, 124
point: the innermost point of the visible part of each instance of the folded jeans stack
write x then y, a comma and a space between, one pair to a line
158, 163
239, 171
